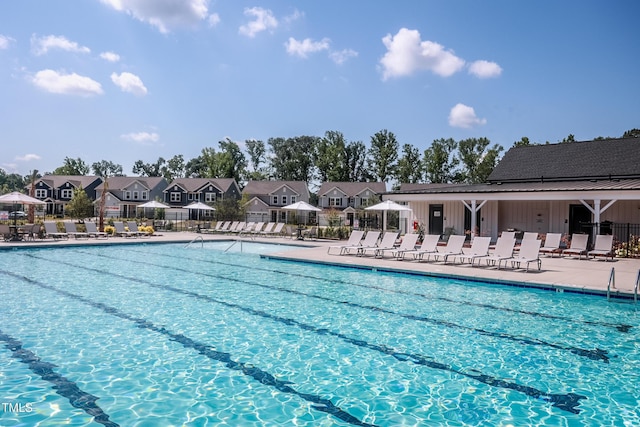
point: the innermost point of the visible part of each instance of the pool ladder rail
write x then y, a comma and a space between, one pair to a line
612, 283
198, 238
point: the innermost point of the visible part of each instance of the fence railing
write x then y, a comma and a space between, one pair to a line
626, 236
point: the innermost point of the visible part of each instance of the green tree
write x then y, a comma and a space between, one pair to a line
291, 158
72, 167
175, 168
477, 159
80, 206
409, 168
195, 168
570, 138
330, 157
233, 163
149, 169
106, 168
31, 212
355, 154
440, 162
383, 155
524, 142
11, 182
632, 133
256, 150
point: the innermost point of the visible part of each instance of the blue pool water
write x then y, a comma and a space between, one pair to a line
164, 335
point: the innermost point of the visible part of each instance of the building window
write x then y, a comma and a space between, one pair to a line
274, 200
190, 196
209, 197
175, 196
293, 199
127, 195
66, 194
284, 200
136, 195
145, 195
335, 201
41, 194
352, 201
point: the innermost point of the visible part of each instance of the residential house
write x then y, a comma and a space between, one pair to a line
125, 193
184, 191
346, 199
561, 188
57, 190
267, 198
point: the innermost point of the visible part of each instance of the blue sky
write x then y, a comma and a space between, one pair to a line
127, 80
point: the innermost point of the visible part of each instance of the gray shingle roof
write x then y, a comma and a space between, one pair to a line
79, 181
599, 159
194, 184
267, 187
351, 189
120, 182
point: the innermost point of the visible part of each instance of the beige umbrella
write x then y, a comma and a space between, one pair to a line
301, 206
387, 205
17, 198
199, 206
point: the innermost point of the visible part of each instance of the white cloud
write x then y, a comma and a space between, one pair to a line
129, 83
144, 138
306, 46
42, 45
5, 41
27, 158
264, 20
163, 14
214, 19
110, 56
67, 84
463, 116
340, 57
485, 69
407, 54
293, 17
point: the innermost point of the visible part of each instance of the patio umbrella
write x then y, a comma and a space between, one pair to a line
154, 205
17, 198
301, 206
387, 205
200, 207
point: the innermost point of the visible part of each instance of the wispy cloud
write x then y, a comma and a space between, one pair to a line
110, 56
463, 116
263, 20
485, 69
66, 84
128, 82
5, 42
42, 45
27, 158
303, 48
214, 19
407, 54
340, 57
293, 17
144, 138
165, 15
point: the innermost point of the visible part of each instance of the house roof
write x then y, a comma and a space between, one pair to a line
120, 182
352, 189
269, 187
598, 159
55, 181
194, 184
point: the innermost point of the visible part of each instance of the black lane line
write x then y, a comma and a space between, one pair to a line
568, 402
63, 386
620, 327
263, 377
596, 354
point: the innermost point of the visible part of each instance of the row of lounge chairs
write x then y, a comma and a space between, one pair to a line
69, 229
247, 229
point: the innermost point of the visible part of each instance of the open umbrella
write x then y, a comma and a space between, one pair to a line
199, 206
17, 198
154, 205
387, 205
301, 206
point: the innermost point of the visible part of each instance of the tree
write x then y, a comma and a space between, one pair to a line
149, 169
80, 206
256, 150
440, 162
31, 212
72, 167
570, 138
291, 158
383, 155
175, 168
478, 161
524, 142
11, 182
330, 157
106, 168
356, 162
233, 163
409, 168
632, 133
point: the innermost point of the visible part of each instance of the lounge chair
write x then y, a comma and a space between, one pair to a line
370, 239
578, 245
502, 252
354, 240
72, 230
257, 229
268, 228
479, 248
310, 233
238, 228
276, 231
408, 244
133, 228
453, 248
551, 244
51, 230
232, 227
33, 231
388, 242
530, 235
603, 247
120, 231
5, 232
92, 230
429, 246
529, 252
246, 229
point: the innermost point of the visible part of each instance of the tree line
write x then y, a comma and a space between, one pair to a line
313, 159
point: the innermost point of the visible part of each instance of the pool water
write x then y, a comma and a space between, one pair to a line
215, 335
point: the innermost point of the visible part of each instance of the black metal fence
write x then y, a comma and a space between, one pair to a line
626, 236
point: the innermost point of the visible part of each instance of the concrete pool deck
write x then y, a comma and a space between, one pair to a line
564, 274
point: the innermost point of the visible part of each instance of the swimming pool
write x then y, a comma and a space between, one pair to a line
167, 335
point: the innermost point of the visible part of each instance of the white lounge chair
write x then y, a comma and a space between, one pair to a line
551, 244
354, 240
133, 228
602, 247
370, 239
479, 248
388, 242
529, 252
72, 230
92, 230
428, 247
578, 245
454, 247
120, 231
502, 252
275, 231
408, 244
268, 228
51, 230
